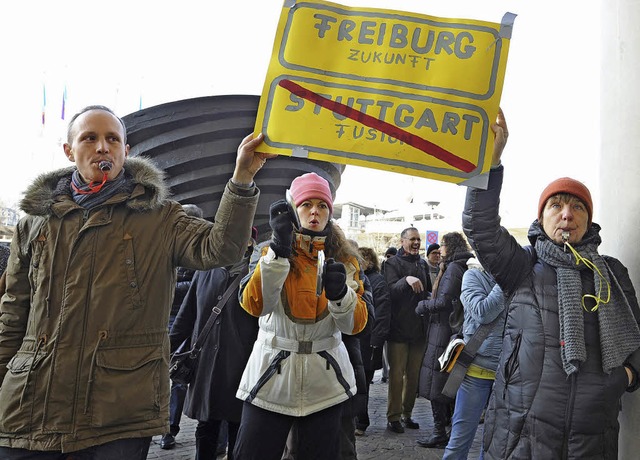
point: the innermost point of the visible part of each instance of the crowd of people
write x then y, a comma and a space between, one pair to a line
293, 327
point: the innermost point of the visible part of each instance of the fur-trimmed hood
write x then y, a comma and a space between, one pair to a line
46, 189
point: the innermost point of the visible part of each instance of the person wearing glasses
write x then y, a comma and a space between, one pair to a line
407, 276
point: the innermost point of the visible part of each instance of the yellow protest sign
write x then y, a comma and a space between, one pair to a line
384, 89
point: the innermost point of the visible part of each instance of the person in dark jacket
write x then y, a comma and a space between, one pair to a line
4, 257
390, 252
407, 277
432, 255
444, 301
178, 390
211, 395
371, 345
571, 344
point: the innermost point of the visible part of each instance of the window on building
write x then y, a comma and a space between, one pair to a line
354, 217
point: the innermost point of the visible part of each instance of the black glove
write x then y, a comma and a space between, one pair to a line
335, 280
282, 226
376, 358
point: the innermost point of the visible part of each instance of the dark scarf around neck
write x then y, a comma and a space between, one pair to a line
407, 256
91, 200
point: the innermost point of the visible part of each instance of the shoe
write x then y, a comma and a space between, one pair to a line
409, 423
434, 441
395, 426
168, 441
359, 432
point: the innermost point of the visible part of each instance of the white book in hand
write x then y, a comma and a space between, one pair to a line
450, 355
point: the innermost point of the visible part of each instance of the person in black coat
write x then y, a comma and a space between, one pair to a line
178, 390
407, 277
437, 312
211, 395
4, 257
371, 344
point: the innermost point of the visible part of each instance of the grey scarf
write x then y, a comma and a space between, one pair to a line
619, 334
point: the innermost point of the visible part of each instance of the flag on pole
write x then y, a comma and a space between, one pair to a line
64, 101
44, 102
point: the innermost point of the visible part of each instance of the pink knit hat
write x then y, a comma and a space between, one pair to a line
309, 186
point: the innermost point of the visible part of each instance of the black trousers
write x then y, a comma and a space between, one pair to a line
130, 449
208, 439
263, 434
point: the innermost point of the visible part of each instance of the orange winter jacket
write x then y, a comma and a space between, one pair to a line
299, 364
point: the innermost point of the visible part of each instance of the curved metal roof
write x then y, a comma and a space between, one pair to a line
195, 142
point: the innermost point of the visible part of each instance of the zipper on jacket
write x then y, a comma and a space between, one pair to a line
512, 363
272, 369
102, 335
42, 341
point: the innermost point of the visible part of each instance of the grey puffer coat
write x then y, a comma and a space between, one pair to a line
84, 347
536, 411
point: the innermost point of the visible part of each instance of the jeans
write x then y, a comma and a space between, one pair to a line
176, 403
130, 449
471, 400
385, 362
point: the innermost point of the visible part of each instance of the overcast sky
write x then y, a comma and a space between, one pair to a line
118, 53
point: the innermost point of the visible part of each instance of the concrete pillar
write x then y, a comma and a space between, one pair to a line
619, 202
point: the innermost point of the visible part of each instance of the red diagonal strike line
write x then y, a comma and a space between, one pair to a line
415, 141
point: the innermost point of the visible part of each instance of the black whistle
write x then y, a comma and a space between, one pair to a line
105, 166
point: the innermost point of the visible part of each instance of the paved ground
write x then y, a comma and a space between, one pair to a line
377, 444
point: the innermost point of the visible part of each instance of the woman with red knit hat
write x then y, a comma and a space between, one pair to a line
299, 370
571, 343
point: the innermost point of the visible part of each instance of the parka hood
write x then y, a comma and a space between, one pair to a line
44, 190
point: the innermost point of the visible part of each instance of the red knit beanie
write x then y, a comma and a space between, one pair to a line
570, 186
309, 186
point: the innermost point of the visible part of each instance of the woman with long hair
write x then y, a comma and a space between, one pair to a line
299, 371
438, 312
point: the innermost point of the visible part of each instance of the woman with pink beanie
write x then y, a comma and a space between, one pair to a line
299, 370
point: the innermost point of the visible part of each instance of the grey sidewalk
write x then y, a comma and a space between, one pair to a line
377, 444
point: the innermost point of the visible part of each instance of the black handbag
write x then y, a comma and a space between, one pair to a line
183, 364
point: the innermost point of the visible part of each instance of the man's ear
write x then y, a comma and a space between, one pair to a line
126, 150
68, 152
